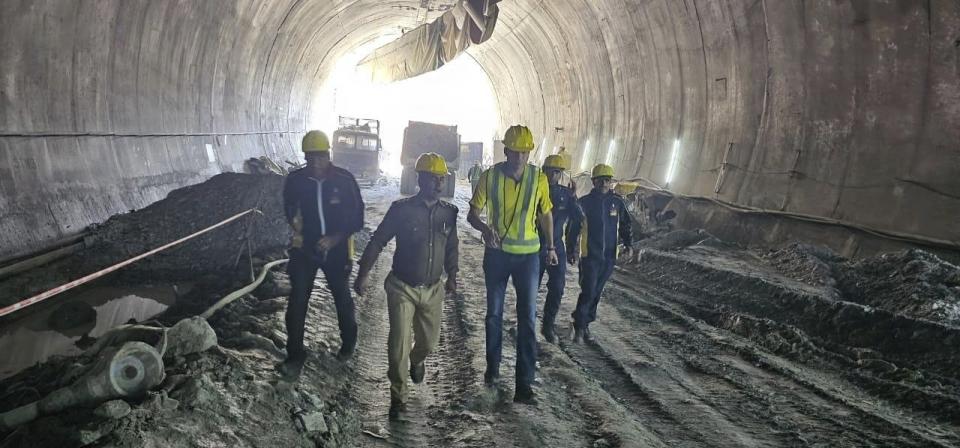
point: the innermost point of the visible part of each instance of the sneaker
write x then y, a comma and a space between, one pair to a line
525, 395
587, 336
417, 372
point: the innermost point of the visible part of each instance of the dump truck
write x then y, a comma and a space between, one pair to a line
470, 153
356, 146
420, 137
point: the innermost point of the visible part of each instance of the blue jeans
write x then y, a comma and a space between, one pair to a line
594, 274
498, 268
556, 280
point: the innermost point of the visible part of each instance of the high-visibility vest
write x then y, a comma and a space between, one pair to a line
517, 234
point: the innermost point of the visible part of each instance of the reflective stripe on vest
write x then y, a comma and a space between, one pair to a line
513, 234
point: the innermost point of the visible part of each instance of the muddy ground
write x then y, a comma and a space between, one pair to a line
698, 344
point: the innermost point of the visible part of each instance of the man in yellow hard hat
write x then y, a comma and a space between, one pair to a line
606, 221
322, 203
565, 209
517, 199
426, 231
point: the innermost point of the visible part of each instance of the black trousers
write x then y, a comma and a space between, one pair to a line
302, 269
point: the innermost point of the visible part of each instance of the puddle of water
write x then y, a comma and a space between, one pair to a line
30, 339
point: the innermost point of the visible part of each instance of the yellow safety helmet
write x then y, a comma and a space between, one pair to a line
518, 138
602, 170
315, 141
433, 163
556, 161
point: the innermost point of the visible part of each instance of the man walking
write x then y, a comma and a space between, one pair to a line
323, 206
474, 175
565, 208
605, 219
427, 245
517, 198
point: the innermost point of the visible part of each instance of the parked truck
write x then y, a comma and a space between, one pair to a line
419, 138
356, 147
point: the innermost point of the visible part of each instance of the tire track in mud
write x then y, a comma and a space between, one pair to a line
815, 405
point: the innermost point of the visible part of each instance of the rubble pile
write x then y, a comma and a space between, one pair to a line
911, 282
187, 210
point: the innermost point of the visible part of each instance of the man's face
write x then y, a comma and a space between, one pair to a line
553, 175
516, 158
604, 184
431, 185
317, 161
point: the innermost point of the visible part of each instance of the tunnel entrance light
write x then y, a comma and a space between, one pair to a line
585, 157
611, 151
674, 159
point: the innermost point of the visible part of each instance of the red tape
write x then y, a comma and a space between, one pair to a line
73, 284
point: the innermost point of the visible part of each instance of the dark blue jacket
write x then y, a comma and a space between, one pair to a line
565, 208
605, 220
342, 207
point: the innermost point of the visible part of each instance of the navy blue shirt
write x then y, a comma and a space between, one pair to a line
565, 209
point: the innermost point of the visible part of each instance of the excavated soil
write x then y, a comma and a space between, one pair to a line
697, 344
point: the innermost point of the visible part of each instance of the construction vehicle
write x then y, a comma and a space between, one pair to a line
470, 153
356, 147
419, 138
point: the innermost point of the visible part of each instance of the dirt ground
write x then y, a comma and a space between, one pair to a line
697, 345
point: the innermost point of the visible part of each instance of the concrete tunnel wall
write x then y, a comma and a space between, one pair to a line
847, 109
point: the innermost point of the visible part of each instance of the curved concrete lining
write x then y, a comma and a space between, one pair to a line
846, 109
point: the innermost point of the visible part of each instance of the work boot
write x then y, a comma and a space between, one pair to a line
396, 407
345, 353
548, 334
578, 336
587, 336
525, 395
490, 378
290, 368
417, 372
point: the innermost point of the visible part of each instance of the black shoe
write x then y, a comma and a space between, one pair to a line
577, 336
587, 336
345, 353
290, 368
417, 372
525, 395
490, 378
548, 334
396, 408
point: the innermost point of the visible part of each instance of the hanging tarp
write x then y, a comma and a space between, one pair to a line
428, 47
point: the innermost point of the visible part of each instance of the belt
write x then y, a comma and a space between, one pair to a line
423, 285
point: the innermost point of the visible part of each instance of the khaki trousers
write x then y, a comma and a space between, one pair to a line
410, 308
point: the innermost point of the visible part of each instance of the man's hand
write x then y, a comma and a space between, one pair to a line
490, 238
552, 259
360, 284
573, 257
329, 242
451, 285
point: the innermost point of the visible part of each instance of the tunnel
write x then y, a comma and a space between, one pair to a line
834, 122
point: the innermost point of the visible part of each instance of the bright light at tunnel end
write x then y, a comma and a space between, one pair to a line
672, 168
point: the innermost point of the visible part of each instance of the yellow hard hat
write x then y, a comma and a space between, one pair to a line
315, 141
432, 163
625, 188
556, 161
518, 138
602, 170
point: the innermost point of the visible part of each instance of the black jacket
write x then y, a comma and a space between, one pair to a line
605, 221
565, 209
427, 243
341, 210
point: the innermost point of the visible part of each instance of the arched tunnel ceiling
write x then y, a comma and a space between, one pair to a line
847, 109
